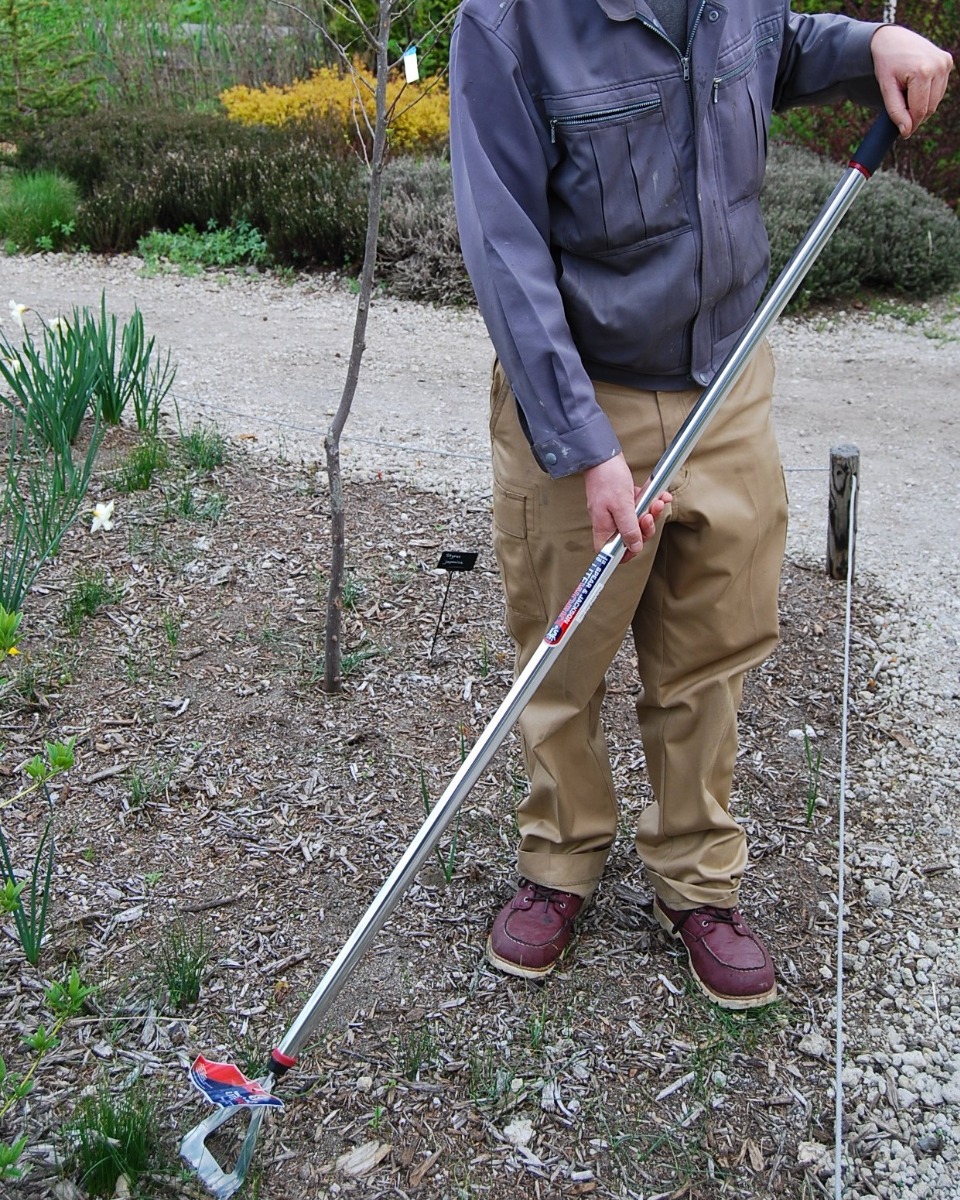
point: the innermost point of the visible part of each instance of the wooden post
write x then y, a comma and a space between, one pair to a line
844, 469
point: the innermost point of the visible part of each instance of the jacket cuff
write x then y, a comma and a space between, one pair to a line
858, 46
578, 450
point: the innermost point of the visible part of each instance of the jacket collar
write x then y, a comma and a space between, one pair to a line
623, 10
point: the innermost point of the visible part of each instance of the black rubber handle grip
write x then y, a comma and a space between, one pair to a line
876, 145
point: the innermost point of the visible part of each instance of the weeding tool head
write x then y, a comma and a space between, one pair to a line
227, 1087
194, 1150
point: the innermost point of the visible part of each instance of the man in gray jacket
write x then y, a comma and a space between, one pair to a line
608, 158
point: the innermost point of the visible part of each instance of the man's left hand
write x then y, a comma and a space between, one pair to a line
912, 74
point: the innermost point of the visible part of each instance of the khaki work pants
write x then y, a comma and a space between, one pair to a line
701, 604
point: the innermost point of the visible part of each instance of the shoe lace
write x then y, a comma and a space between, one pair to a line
726, 916
547, 895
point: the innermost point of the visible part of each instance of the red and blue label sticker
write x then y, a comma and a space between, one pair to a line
576, 601
226, 1086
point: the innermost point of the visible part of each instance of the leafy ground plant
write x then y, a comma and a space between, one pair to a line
203, 448
9, 632
112, 1138
189, 502
814, 760
64, 1000
138, 467
236, 245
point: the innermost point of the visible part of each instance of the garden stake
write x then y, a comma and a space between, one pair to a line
450, 561
222, 1083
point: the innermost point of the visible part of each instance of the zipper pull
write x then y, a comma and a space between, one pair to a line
553, 131
685, 62
716, 90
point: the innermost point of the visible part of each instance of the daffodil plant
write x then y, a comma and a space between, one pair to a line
42, 487
42, 491
74, 366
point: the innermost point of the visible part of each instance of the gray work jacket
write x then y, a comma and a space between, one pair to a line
607, 186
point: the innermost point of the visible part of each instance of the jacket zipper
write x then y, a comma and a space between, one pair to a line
744, 68
683, 55
600, 116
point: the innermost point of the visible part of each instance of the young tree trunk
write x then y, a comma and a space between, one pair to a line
333, 647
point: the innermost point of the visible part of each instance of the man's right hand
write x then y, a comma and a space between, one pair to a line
612, 504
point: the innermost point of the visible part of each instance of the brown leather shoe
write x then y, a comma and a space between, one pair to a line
728, 960
533, 930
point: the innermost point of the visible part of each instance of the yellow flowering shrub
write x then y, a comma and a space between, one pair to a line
420, 121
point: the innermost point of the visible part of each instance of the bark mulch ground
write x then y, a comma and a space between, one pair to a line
227, 817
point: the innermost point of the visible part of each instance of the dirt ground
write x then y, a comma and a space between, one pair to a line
220, 797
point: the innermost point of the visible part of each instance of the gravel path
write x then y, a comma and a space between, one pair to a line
265, 361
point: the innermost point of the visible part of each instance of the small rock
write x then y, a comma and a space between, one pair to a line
814, 1045
816, 1156
66, 1189
879, 895
519, 1132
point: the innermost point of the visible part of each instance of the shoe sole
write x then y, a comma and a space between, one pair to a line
734, 1003
512, 968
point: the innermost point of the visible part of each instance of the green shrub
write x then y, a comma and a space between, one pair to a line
896, 236
38, 210
419, 245
117, 145
299, 185
313, 210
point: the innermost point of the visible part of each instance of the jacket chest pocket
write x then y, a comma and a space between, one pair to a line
741, 102
616, 182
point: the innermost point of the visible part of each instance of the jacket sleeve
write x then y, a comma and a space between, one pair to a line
826, 58
501, 154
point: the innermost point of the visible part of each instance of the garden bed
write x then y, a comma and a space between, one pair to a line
223, 811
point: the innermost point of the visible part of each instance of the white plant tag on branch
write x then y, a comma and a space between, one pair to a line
411, 71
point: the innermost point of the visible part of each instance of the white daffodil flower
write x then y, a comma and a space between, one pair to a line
17, 311
59, 326
102, 516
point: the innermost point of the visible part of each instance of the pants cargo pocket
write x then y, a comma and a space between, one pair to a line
510, 524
